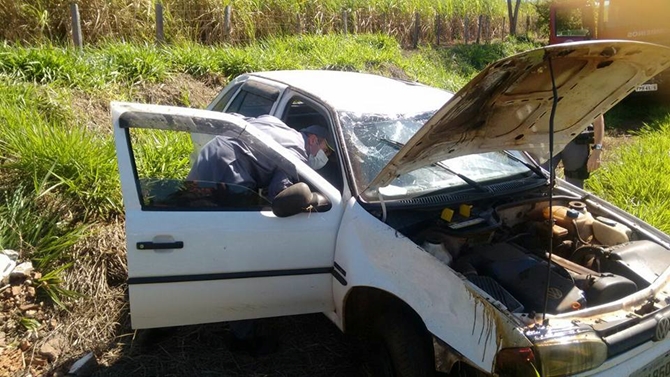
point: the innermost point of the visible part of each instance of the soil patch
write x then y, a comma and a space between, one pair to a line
179, 90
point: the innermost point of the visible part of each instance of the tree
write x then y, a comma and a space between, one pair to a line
513, 15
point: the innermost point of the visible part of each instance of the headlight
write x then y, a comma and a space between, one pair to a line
562, 354
516, 362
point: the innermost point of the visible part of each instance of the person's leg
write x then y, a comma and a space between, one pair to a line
575, 157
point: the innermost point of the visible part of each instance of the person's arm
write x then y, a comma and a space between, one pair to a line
598, 134
279, 182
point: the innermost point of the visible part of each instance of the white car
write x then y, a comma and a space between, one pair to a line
432, 234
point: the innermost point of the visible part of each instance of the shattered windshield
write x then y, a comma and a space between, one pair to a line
372, 140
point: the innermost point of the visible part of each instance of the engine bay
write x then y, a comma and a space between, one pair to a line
510, 251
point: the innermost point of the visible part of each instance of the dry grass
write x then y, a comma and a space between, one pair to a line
309, 345
203, 20
99, 274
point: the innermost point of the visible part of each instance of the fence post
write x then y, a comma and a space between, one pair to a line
76, 26
479, 27
488, 29
345, 23
415, 41
527, 24
160, 36
502, 31
299, 23
384, 30
226, 23
437, 29
354, 21
466, 29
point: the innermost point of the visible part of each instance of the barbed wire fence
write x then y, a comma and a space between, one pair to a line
213, 24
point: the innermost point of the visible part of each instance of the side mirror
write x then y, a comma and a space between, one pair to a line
298, 198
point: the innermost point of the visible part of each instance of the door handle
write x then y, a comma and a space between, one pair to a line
160, 245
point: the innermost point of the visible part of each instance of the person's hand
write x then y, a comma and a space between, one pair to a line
594, 160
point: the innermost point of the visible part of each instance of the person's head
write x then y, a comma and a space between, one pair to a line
318, 146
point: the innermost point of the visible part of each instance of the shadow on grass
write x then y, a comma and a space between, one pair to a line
636, 110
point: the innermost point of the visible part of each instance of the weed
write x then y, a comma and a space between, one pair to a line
51, 284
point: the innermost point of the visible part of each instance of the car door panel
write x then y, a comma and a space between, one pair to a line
209, 301
196, 265
213, 234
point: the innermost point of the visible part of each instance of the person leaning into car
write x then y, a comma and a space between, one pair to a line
582, 155
230, 160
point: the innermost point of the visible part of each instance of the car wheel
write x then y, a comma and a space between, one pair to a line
402, 347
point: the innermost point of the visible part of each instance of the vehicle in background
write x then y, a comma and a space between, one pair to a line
638, 20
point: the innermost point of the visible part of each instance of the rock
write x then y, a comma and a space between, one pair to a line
6, 266
31, 292
26, 307
84, 366
37, 275
16, 290
22, 270
40, 361
24, 345
53, 348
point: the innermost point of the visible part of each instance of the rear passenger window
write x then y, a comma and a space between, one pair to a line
254, 99
221, 105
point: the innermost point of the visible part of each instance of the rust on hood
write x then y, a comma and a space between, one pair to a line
508, 105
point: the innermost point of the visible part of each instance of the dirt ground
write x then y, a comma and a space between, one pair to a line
308, 345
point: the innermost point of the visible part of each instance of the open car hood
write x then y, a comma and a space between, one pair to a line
509, 104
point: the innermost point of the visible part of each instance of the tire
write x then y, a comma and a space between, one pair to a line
402, 347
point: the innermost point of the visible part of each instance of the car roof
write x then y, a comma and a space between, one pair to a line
361, 92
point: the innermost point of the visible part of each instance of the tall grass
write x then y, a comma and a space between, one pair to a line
37, 225
202, 20
109, 65
162, 154
41, 141
636, 179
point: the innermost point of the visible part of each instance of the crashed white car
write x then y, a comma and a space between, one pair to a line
432, 231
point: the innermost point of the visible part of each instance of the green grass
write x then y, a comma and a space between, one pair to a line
162, 154
109, 66
636, 179
38, 226
43, 142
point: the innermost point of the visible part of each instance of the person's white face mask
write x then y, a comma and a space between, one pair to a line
318, 161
